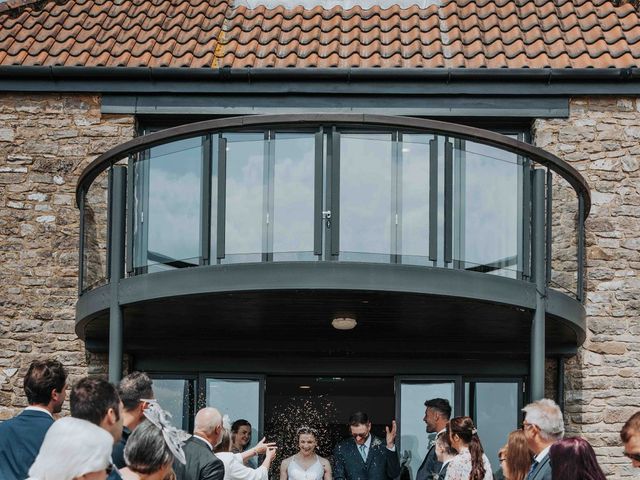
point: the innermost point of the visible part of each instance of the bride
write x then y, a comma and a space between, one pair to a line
306, 464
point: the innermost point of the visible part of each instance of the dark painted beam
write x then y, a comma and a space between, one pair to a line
520, 82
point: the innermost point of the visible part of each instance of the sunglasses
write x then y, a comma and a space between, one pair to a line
632, 456
359, 435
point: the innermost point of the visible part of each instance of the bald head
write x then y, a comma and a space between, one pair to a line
208, 424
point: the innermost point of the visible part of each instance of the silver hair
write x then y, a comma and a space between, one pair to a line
146, 451
207, 420
547, 416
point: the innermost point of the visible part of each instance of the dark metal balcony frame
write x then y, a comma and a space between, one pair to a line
422, 280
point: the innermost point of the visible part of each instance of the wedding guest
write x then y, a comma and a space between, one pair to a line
437, 413
45, 386
98, 402
306, 464
516, 457
471, 463
240, 435
135, 390
543, 425
153, 446
73, 449
201, 462
574, 459
630, 435
234, 467
364, 456
444, 453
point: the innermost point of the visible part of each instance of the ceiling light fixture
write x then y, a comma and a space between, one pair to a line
305, 387
344, 323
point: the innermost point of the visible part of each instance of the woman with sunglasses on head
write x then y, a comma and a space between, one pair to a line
574, 459
516, 457
471, 463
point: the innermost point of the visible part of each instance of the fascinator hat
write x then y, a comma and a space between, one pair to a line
71, 449
173, 437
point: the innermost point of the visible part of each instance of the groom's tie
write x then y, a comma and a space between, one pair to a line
363, 452
532, 470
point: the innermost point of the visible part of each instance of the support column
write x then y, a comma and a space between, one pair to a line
117, 214
539, 269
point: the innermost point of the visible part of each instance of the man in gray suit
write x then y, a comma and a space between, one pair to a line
543, 425
436, 415
202, 464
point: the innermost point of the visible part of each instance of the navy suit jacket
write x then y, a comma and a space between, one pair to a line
381, 464
20, 441
430, 466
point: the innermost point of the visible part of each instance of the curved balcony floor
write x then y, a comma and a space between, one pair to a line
400, 310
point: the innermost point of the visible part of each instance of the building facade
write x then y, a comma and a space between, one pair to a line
215, 193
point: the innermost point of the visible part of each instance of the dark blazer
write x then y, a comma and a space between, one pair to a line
443, 472
20, 441
542, 470
381, 464
430, 465
202, 464
117, 455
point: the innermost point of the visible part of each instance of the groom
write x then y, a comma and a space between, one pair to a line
365, 457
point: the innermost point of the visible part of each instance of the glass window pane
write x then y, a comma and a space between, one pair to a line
95, 232
167, 196
238, 398
365, 196
495, 413
414, 205
175, 395
292, 218
413, 436
487, 209
245, 203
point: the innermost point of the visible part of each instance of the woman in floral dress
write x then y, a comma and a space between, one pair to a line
471, 463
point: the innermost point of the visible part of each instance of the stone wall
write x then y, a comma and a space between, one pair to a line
45, 143
601, 139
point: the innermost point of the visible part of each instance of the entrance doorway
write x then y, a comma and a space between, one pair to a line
325, 404
277, 405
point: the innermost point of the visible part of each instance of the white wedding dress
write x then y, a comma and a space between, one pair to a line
296, 472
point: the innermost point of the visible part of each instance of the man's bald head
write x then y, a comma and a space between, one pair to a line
208, 424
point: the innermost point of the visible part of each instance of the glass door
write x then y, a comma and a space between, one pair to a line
238, 396
411, 393
494, 404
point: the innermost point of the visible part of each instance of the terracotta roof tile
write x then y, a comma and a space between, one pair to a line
215, 33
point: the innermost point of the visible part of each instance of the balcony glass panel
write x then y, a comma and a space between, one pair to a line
365, 196
291, 217
167, 206
564, 231
95, 233
487, 209
246, 197
413, 199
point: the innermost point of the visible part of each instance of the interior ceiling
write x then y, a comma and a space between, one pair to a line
300, 321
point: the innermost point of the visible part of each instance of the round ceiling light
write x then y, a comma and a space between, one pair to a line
344, 323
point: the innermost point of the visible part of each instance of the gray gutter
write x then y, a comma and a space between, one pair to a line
325, 80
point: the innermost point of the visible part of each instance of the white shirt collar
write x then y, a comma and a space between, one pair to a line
205, 441
39, 409
538, 458
441, 432
368, 442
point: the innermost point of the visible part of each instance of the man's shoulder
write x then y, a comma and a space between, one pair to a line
27, 417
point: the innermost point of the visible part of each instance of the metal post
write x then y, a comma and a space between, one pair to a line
538, 248
116, 244
560, 381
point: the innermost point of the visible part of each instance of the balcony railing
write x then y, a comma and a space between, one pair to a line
350, 188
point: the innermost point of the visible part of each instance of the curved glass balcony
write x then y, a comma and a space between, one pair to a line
325, 188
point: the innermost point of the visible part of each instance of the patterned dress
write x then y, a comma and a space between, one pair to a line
460, 467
